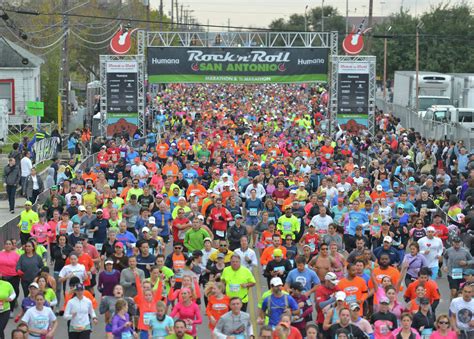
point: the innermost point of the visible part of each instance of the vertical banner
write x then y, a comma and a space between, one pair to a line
122, 97
45, 149
353, 95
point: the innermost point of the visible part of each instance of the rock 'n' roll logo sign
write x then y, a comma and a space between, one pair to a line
121, 42
353, 43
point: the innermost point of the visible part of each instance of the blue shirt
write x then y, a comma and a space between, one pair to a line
189, 174
162, 222
277, 307
158, 328
392, 253
253, 207
357, 218
143, 261
307, 278
127, 238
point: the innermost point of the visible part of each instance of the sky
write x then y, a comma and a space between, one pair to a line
259, 13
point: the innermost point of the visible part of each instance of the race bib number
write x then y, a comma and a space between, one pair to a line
189, 328
1, 305
456, 273
231, 223
351, 299
127, 335
234, 288
24, 226
181, 235
280, 201
279, 269
90, 234
426, 333
220, 233
147, 317
287, 226
253, 212
99, 247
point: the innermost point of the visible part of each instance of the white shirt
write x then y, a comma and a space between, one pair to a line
205, 257
35, 182
26, 166
139, 170
77, 270
462, 309
82, 309
321, 223
260, 191
77, 195
435, 248
38, 320
250, 254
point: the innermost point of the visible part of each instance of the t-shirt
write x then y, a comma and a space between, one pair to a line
307, 278
464, 311
158, 328
27, 219
355, 289
6, 290
233, 279
276, 306
38, 320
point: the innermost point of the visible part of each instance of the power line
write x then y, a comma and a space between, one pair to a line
92, 42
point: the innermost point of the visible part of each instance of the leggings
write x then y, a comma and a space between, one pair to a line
15, 281
4, 317
80, 335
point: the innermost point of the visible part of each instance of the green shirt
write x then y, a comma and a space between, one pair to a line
27, 219
194, 239
137, 191
288, 226
6, 290
49, 295
233, 281
173, 336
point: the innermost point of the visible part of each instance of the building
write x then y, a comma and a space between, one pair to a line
20, 79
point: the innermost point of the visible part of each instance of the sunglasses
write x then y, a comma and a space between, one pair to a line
177, 247
443, 322
223, 245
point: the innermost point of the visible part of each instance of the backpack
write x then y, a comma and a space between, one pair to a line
269, 309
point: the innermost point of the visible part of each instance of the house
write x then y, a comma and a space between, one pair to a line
20, 79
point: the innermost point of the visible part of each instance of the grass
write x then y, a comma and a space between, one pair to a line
39, 168
12, 138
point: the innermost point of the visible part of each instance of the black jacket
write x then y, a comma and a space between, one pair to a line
420, 320
234, 234
11, 174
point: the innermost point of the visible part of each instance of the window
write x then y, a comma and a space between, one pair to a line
7, 91
466, 116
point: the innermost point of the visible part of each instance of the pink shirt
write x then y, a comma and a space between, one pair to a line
450, 335
188, 312
8, 261
41, 232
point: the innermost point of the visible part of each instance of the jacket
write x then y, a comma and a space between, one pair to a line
29, 185
11, 174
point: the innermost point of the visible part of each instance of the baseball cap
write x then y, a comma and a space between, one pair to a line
293, 191
340, 296
384, 300
152, 220
430, 229
396, 184
276, 282
411, 179
79, 287
35, 285
301, 184
238, 216
341, 189
200, 217
159, 196
81, 208
207, 239
424, 301
297, 286
118, 244
354, 306
54, 188
277, 252
379, 188
456, 239
145, 229
332, 277
387, 239
221, 256
109, 261
28, 203
99, 210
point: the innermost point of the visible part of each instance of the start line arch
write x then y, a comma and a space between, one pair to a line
209, 57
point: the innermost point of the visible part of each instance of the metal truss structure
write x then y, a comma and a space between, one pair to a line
140, 59
334, 85
238, 39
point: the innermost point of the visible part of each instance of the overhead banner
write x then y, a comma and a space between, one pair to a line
45, 149
353, 94
122, 97
237, 65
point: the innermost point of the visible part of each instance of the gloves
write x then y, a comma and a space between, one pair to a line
20, 273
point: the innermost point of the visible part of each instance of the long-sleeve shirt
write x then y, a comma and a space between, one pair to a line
118, 326
435, 248
192, 312
30, 266
231, 324
79, 311
250, 254
127, 280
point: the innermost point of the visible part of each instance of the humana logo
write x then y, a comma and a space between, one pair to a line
310, 61
156, 61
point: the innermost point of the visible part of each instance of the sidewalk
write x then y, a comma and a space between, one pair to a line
5, 214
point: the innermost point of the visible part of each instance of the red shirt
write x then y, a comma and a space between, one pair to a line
178, 235
441, 232
322, 294
216, 215
103, 158
312, 240
114, 154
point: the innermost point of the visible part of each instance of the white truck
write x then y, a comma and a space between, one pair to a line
450, 114
434, 89
463, 90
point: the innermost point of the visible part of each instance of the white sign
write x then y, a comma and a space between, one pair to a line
122, 67
354, 68
45, 149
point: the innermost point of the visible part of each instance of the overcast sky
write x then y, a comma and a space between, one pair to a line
259, 13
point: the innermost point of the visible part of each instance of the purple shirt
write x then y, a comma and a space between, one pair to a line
107, 282
118, 326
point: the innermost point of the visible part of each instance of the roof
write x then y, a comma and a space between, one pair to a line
13, 55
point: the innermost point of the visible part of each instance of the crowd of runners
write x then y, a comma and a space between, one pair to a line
238, 185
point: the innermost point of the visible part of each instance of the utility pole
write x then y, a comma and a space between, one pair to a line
172, 13
322, 15
228, 24
63, 102
161, 15
177, 15
147, 8
181, 17
347, 16
371, 10
385, 64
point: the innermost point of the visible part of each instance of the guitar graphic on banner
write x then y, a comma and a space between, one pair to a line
121, 42
353, 43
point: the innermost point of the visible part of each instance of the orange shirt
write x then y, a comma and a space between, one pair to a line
151, 167
145, 306
431, 288
162, 150
170, 170
92, 176
267, 254
217, 307
392, 272
69, 295
183, 145
355, 289
377, 196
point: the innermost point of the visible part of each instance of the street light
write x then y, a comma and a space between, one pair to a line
418, 27
322, 15
385, 63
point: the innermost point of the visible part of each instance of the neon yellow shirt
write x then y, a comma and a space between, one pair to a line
27, 219
234, 279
